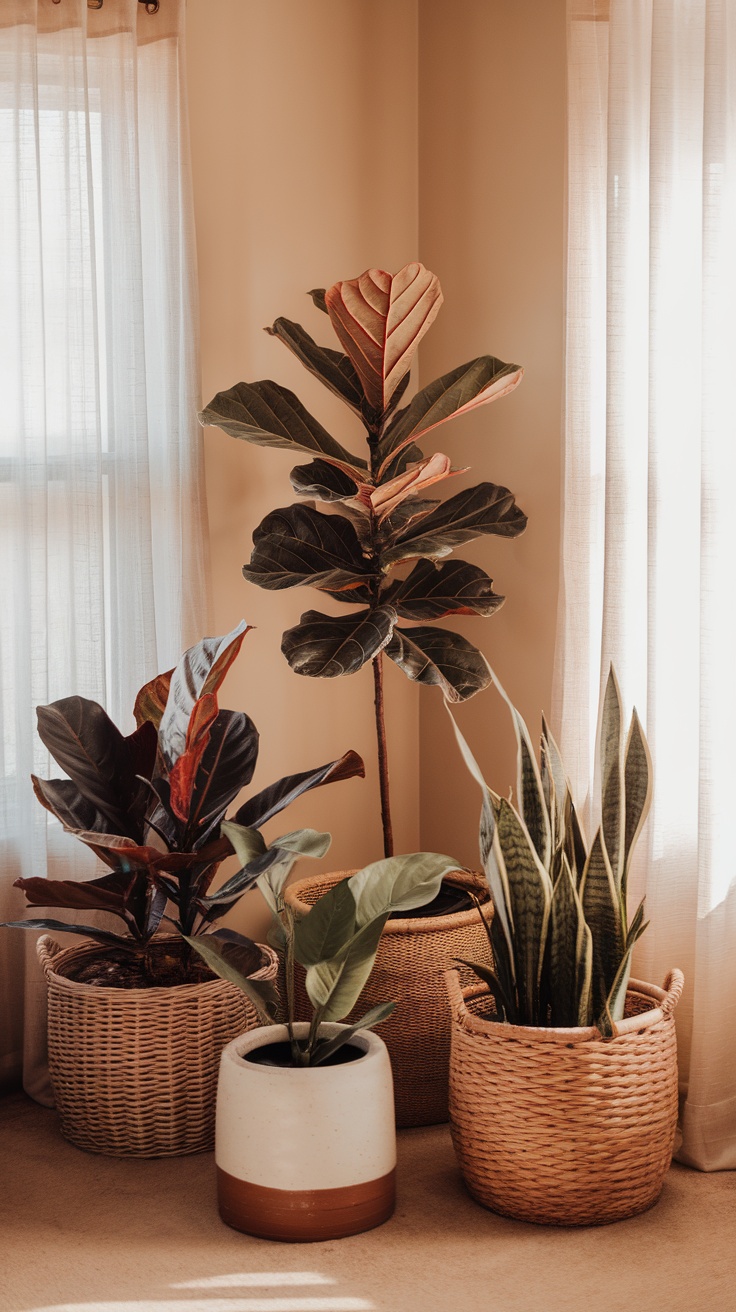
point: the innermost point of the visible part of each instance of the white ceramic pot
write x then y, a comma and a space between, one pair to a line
309, 1153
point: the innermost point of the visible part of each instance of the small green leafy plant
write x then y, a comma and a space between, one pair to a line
379, 517
561, 940
335, 943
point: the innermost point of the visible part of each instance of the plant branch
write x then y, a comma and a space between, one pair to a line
388, 837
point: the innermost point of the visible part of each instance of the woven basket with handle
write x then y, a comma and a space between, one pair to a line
561, 1126
134, 1071
412, 957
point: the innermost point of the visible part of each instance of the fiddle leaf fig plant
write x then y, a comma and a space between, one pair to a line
151, 805
335, 943
561, 940
377, 516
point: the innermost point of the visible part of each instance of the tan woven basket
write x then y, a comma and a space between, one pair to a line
560, 1126
412, 957
134, 1071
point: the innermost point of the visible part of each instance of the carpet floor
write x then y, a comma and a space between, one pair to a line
83, 1233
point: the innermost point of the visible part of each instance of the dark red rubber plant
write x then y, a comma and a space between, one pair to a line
150, 805
379, 517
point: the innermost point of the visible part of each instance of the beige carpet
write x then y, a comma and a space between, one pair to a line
82, 1233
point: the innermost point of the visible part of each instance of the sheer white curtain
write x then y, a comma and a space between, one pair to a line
649, 538
101, 483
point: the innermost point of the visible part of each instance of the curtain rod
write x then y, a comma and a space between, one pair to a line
151, 5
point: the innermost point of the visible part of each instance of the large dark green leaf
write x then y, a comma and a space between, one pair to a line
324, 481
227, 765
486, 508
331, 367
327, 927
325, 646
198, 675
440, 657
452, 588
300, 545
86, 744
269, 415
463, 389
268, 803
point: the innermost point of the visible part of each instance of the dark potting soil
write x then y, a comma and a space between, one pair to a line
155, 967
448, 902
279, 1054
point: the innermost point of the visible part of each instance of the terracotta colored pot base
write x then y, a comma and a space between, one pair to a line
297, 1216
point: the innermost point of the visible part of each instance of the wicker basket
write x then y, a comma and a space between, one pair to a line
560, 1126
134, 1071
412, 957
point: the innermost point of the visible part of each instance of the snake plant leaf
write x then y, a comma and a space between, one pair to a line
235, 958
324, 481
267, 414
328, 1047
637, 790
334, 986
501, 1002
615, 1004
440, 657
398, 883
325, 646
602, 908
571, 953
463, 389
490, 852
486, 508
380, 320
453, 587
298, 545
573, 839
553, 764
270, 801
530, 897
637, 926
331, 367
327, 927
532, 805
198, 675
612, 778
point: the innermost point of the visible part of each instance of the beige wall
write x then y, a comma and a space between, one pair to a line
311, 162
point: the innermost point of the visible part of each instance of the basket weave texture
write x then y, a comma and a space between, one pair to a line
412, 957
134, 1071
560, 1126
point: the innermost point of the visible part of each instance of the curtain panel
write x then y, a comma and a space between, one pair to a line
102, 517
649, 529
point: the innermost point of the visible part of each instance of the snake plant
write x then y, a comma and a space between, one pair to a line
561, 939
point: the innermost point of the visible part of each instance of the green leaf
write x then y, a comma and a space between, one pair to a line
236, 962
463, 389
334, 986
573, 839
246, 843
270, 415
612, 779
454, 587
615, 1003
486, 508
298, 545
399, 883
637, 790
532, 805
331, 367
325, 930
327, 482
570, 958
326, 646
530, 896
374, 1017
502, 1003
602, 908
441, 658
553, 768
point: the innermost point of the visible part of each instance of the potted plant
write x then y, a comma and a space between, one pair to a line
376, 521
563, 1074
306, 1144
136, 1023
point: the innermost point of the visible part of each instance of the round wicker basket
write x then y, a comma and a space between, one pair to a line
134, 1071
412, 957
560, 1126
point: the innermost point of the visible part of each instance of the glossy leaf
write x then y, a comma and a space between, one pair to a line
199, 673
463, 389
331, 367
227, 765
299, 545
398, 883
269, 415
83, 740
236, 958
63, 799
334, 986
328, 1047
327, 927
83, 931
388, 496
324, 481
270, 801
440, 657
326, 646
453, 587
482, 509
103, 894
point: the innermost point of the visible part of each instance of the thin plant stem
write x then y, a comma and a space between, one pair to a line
388, 835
